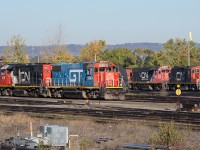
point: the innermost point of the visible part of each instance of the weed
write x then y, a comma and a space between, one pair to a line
169, 134
84, 144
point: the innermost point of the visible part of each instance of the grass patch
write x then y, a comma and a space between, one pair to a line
169, 134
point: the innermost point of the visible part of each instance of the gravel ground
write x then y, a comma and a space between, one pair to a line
89, 132
140, 105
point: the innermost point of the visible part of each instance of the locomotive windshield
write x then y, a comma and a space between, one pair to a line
102, 69
108, 69
115, 69
95, 70
105, 69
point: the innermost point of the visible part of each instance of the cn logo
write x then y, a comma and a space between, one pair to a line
25, 76
144, 75
179, 76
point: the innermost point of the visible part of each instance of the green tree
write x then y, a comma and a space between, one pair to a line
194, 55
159, 59
175, 53
14, 52
93, 50
61, 54
144, 56
121, 56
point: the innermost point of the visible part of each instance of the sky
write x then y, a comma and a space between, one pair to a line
115, 21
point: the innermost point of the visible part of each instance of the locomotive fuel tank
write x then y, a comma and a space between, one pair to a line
74, 93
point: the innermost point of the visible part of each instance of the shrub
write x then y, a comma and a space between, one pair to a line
169, 134
84, 144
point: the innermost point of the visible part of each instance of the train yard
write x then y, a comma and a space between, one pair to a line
140, 109
138, 117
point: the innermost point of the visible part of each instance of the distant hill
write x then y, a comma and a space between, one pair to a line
132, 46
75, 48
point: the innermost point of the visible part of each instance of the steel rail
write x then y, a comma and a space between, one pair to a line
123, 113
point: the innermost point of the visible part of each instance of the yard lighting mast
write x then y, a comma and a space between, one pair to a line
189, 49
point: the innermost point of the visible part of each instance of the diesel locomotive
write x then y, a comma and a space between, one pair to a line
164, 78
150, 78
88, 80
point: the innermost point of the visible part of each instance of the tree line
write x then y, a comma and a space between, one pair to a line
175, 52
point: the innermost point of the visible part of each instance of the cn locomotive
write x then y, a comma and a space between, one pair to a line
151, 78
88, 80
164, 78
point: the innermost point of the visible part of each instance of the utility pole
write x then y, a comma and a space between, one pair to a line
95, 57
189, 49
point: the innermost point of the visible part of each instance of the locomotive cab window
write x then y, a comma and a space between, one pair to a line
197, 70
108, 69
101, 69
115, 69
95, 70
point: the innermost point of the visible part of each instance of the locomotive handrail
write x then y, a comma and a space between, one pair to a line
63, 82
198, 84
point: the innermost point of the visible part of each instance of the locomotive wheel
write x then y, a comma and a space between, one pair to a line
4, 93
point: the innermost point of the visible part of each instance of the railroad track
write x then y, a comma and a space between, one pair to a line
33, 101
163, 99
112, 112
164, 93
187, 103
79, 108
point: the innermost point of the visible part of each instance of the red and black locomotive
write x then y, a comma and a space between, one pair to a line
164, 78
89, 80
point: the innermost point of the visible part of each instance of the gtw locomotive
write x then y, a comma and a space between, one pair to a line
89, 80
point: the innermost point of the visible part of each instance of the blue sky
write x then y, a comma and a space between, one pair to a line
115, 21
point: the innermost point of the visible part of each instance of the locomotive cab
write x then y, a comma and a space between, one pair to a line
151, 78
161, 75
106, 75
195, 77
107, 79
